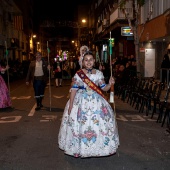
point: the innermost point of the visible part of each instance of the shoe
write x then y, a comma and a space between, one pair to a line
37, 108
60, 85
56, 86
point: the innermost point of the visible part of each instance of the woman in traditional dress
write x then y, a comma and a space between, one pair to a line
88, 127
5, 100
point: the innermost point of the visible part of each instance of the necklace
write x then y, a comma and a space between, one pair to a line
89, 71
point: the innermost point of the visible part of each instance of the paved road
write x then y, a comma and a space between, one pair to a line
28, 139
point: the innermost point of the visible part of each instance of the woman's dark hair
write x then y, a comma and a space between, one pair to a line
88, 53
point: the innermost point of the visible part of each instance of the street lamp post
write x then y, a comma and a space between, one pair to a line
34, 43
83, 25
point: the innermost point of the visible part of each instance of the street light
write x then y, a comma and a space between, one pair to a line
83, 21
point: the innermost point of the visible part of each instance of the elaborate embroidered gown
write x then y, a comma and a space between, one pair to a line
91, 129
5, 100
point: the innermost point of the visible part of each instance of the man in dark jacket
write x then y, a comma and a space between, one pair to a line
165, 66
38, 74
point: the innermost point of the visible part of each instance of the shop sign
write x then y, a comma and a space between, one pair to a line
126, 31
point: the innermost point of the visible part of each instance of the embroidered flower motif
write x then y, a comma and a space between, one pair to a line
106, 142
89, 135
84, 119
95, 121
104, 112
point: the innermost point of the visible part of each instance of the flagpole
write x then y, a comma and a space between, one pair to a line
112, 86
6, 53
49, 76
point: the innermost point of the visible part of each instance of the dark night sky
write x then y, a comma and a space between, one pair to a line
57, 10
63, 9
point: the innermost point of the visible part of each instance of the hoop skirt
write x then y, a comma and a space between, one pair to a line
91, 128
5, 100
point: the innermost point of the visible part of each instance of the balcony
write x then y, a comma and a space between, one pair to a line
118, 14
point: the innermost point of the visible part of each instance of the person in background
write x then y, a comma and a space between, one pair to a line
72, 67
57, 68
5, 101
165, 65
88, 127
38, 74
105, 69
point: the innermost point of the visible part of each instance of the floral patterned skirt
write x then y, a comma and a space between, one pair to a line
5, 100
91, 129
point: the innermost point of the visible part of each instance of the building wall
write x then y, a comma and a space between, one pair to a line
154, 29
156, 35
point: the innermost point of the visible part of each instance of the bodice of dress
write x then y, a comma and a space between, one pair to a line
97, 78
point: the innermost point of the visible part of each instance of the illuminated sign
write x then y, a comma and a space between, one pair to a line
104, 47
126, 31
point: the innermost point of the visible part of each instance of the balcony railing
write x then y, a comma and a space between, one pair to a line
118, 14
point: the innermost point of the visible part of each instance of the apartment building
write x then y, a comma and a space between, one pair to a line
153, 31
16, 29
107, 17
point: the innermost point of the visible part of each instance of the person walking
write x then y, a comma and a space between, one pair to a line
57, 68
88, 127
38, 74
5, 101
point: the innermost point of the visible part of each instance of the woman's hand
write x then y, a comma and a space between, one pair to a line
7, 67
111, 81
48, 67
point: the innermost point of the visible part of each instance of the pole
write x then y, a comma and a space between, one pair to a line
6, 54
49, 75
112, 86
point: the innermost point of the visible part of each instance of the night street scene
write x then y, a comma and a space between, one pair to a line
85, 85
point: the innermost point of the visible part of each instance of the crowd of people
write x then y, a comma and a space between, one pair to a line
123, 69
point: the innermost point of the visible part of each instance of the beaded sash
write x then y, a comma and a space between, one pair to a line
90, 84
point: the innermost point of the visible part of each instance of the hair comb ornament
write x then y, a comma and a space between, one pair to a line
83, 50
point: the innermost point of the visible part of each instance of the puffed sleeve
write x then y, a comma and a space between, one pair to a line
75, 82
101, 80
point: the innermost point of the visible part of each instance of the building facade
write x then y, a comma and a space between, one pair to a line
106, 16
16, 29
